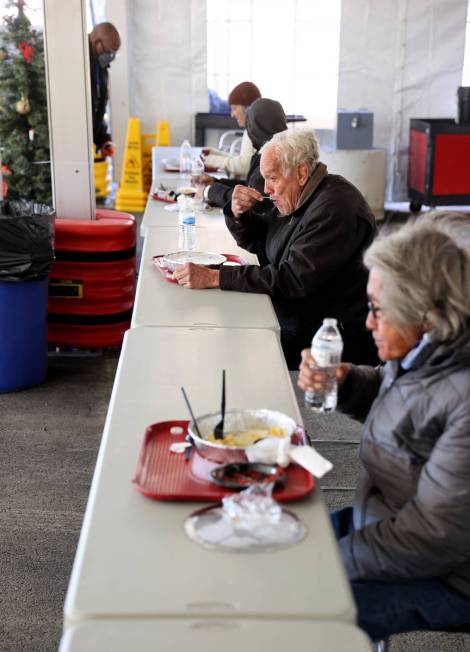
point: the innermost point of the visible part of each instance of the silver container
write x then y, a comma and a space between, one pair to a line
235, 420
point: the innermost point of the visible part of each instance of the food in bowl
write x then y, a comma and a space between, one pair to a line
253, 422
244, 438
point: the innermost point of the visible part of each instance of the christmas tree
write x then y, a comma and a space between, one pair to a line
24, 133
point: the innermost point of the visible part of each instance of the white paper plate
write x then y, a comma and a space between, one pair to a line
171, 164
171, 261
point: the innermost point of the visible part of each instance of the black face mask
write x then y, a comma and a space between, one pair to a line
105, 58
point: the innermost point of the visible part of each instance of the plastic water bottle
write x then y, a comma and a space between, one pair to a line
327, 347
186, 155
197, 166
187, 224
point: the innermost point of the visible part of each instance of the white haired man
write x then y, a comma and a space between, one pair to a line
310, 248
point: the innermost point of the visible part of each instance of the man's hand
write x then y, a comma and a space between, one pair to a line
243, 199
313, 378
196, 277
107, 149
203, 180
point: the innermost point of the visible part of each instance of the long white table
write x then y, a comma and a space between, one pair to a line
156, 214
133, 558
160, 303
212, 636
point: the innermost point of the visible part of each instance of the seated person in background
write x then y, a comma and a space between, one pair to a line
240, 98
264, 118
310, 250
406, 541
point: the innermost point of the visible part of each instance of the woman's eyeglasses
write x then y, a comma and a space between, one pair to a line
375, 310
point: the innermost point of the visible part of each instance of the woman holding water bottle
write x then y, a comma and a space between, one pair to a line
405, 542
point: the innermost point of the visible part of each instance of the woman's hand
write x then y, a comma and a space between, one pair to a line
244, 198
196, 277
312, 378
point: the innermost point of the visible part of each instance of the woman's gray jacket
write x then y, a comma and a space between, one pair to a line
412, 507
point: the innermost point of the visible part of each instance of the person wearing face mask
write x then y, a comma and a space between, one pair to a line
104, 41
309, 245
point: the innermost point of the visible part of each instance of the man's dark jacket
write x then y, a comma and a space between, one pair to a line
311, 260
99, 100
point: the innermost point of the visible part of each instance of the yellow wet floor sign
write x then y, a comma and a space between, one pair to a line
131, 195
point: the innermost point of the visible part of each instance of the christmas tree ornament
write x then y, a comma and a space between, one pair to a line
31, 135
27, 51
22, 106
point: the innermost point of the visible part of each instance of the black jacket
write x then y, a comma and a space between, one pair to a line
99, 100
311, 260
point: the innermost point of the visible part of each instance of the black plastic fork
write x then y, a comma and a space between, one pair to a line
219, 427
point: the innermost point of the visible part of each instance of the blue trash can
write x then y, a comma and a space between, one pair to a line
23, 334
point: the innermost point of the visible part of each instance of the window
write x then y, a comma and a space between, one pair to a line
466, 60
288, 48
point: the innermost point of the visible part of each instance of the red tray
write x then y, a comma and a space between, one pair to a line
158, 197
168, 275
163, 475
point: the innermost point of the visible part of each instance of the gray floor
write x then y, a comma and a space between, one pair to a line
49, 438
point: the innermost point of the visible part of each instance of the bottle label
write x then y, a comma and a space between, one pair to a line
190, 219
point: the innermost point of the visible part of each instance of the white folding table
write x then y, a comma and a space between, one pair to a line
213, 636
160, 303
133, 558
156, 214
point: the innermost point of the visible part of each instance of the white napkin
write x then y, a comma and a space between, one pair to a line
273, 450
172, 208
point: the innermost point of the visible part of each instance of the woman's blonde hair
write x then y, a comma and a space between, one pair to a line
425, 276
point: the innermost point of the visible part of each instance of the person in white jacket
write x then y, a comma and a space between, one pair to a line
239, 99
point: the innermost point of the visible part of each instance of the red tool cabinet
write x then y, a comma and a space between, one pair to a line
438, 163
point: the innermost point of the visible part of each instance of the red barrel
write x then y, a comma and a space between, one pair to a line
92, 282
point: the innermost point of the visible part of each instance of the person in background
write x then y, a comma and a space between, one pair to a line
104, 43
405, 542
239, 99
264, 118
310, 248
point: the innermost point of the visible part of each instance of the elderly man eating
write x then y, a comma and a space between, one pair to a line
310, 247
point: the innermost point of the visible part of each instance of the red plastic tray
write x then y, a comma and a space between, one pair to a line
158, 197
168, 275
163, 475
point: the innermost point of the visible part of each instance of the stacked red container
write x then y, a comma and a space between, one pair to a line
92, 282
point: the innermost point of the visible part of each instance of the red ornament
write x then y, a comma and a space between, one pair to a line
27, 51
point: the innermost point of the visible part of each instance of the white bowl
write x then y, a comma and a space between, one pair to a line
172, 261
235, 420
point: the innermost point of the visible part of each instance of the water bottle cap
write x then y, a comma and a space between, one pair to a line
330, 321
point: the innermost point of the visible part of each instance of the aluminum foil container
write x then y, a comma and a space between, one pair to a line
235, 420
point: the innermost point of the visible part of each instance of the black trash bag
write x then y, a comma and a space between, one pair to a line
26, 240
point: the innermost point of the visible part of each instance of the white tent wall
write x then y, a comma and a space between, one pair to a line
401, 59
168, 77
